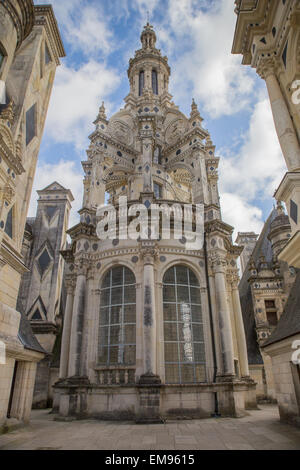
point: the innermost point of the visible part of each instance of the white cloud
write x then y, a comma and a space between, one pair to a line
66, 174
76, 97
86, 27
200, 41
253, 175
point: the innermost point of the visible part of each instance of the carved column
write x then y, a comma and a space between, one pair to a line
77, 320
284, 126
240, 331
87, 323
219, 269
147, 165
149, 384
149, 253
66, 336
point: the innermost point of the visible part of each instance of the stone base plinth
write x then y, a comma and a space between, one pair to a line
150, 401
149, 387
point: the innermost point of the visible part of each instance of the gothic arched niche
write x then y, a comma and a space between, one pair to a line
184, 346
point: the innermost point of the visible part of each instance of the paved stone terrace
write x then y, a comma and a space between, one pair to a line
260, 430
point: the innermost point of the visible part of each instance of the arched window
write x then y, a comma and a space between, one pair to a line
141, 82
157, 155
154, 82
117, 335
183, 327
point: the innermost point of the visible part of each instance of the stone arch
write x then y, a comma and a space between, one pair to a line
116, 339
185, 348
191, 264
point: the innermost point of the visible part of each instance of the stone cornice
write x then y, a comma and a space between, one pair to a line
44, 16
110, 140
12, 258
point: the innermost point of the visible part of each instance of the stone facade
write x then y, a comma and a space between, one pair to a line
268, 36
248, 241
264, 289
30, 47
152, 327
41, 287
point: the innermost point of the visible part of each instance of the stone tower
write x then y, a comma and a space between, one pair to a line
152, 326
248, 241
30, 48
41, 287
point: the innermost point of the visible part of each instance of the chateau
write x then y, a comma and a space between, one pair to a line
268, 37
151, 327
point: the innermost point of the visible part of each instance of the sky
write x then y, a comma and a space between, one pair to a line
101, 36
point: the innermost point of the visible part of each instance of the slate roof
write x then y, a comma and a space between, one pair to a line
289, 322
262, 247
27, 337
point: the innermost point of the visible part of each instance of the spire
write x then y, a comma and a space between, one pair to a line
101, 115
148, 37
195, 112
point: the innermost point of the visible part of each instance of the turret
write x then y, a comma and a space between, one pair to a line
148, 71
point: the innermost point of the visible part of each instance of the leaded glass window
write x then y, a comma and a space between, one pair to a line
183, 327
141, 82
117, 330
157, 189
154, 82
9, 224
30, 124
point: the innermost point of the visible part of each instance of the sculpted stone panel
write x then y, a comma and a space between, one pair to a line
121, 132
175, 131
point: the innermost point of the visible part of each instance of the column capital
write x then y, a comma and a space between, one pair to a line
218, 264
70, 284
81, 266
149, 252
267, 66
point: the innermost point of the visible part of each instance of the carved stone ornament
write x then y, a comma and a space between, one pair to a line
121, 132
175, 131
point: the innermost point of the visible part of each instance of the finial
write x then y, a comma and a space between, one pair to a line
8, 113
101, 114
195, 113
280, 208
148, 18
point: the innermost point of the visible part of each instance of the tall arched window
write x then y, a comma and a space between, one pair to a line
117, 335
154, 82
141, 82
183, 327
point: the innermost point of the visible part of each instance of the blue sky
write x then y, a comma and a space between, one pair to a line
100, 36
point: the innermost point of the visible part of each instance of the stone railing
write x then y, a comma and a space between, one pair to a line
116, 375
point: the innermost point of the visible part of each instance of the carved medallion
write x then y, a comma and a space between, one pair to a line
175, 131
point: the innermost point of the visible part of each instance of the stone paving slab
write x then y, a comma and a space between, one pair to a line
260, 430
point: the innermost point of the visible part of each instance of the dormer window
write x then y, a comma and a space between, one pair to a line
141, 82
271, 312
157, 155
154, 82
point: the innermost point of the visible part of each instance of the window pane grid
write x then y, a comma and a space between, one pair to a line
184, 354
116, 335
